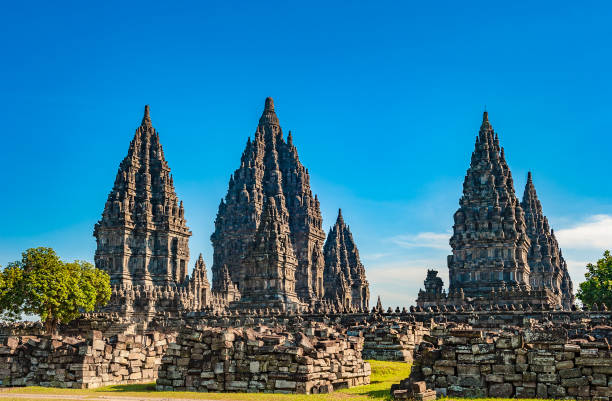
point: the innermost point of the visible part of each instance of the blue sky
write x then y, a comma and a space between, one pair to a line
384, 100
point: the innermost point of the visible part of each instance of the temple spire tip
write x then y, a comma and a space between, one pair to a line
146, 119
269, 104
269, 115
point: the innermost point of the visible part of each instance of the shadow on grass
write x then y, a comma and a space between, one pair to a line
377, 390
382, 394
128, 388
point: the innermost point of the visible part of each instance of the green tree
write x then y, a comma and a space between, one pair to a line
41, 284
598, 285
10, 297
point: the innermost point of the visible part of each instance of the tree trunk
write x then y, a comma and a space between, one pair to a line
51, 325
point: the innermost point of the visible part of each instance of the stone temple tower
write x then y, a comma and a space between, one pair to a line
270, 263
548, 268
344, 276
489, 242
270, 167
142, 237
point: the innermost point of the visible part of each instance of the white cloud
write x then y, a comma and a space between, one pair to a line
398, 282
576, 269
374, 256
593, 233
423, 240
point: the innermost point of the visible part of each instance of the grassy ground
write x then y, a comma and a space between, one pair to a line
384, 374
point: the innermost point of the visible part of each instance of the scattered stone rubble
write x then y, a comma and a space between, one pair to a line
77, 362
535, 362
318, 360
417, 391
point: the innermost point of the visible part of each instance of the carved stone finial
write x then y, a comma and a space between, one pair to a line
268, 117
269, 104
146, 119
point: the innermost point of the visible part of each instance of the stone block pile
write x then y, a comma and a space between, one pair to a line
390, 340
77, 362
539, 362
417, 391
263, 360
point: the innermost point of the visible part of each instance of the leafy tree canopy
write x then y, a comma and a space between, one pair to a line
597, 289
43, 285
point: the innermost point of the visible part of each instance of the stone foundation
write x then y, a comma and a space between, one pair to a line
317, 360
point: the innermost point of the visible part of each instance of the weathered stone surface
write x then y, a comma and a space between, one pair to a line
270, 263
547, 335
539, 361
76, 362
503, 390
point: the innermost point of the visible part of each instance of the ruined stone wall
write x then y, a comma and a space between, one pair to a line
539, 362
77, 362
112, 324
491, 318
317, 360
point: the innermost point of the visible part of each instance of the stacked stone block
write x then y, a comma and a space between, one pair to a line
418, 391
76, 362
532, 363
245, 360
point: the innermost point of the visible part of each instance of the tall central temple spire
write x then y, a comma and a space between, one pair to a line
489, 241
270, 167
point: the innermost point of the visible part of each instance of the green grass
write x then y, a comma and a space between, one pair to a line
384, 374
